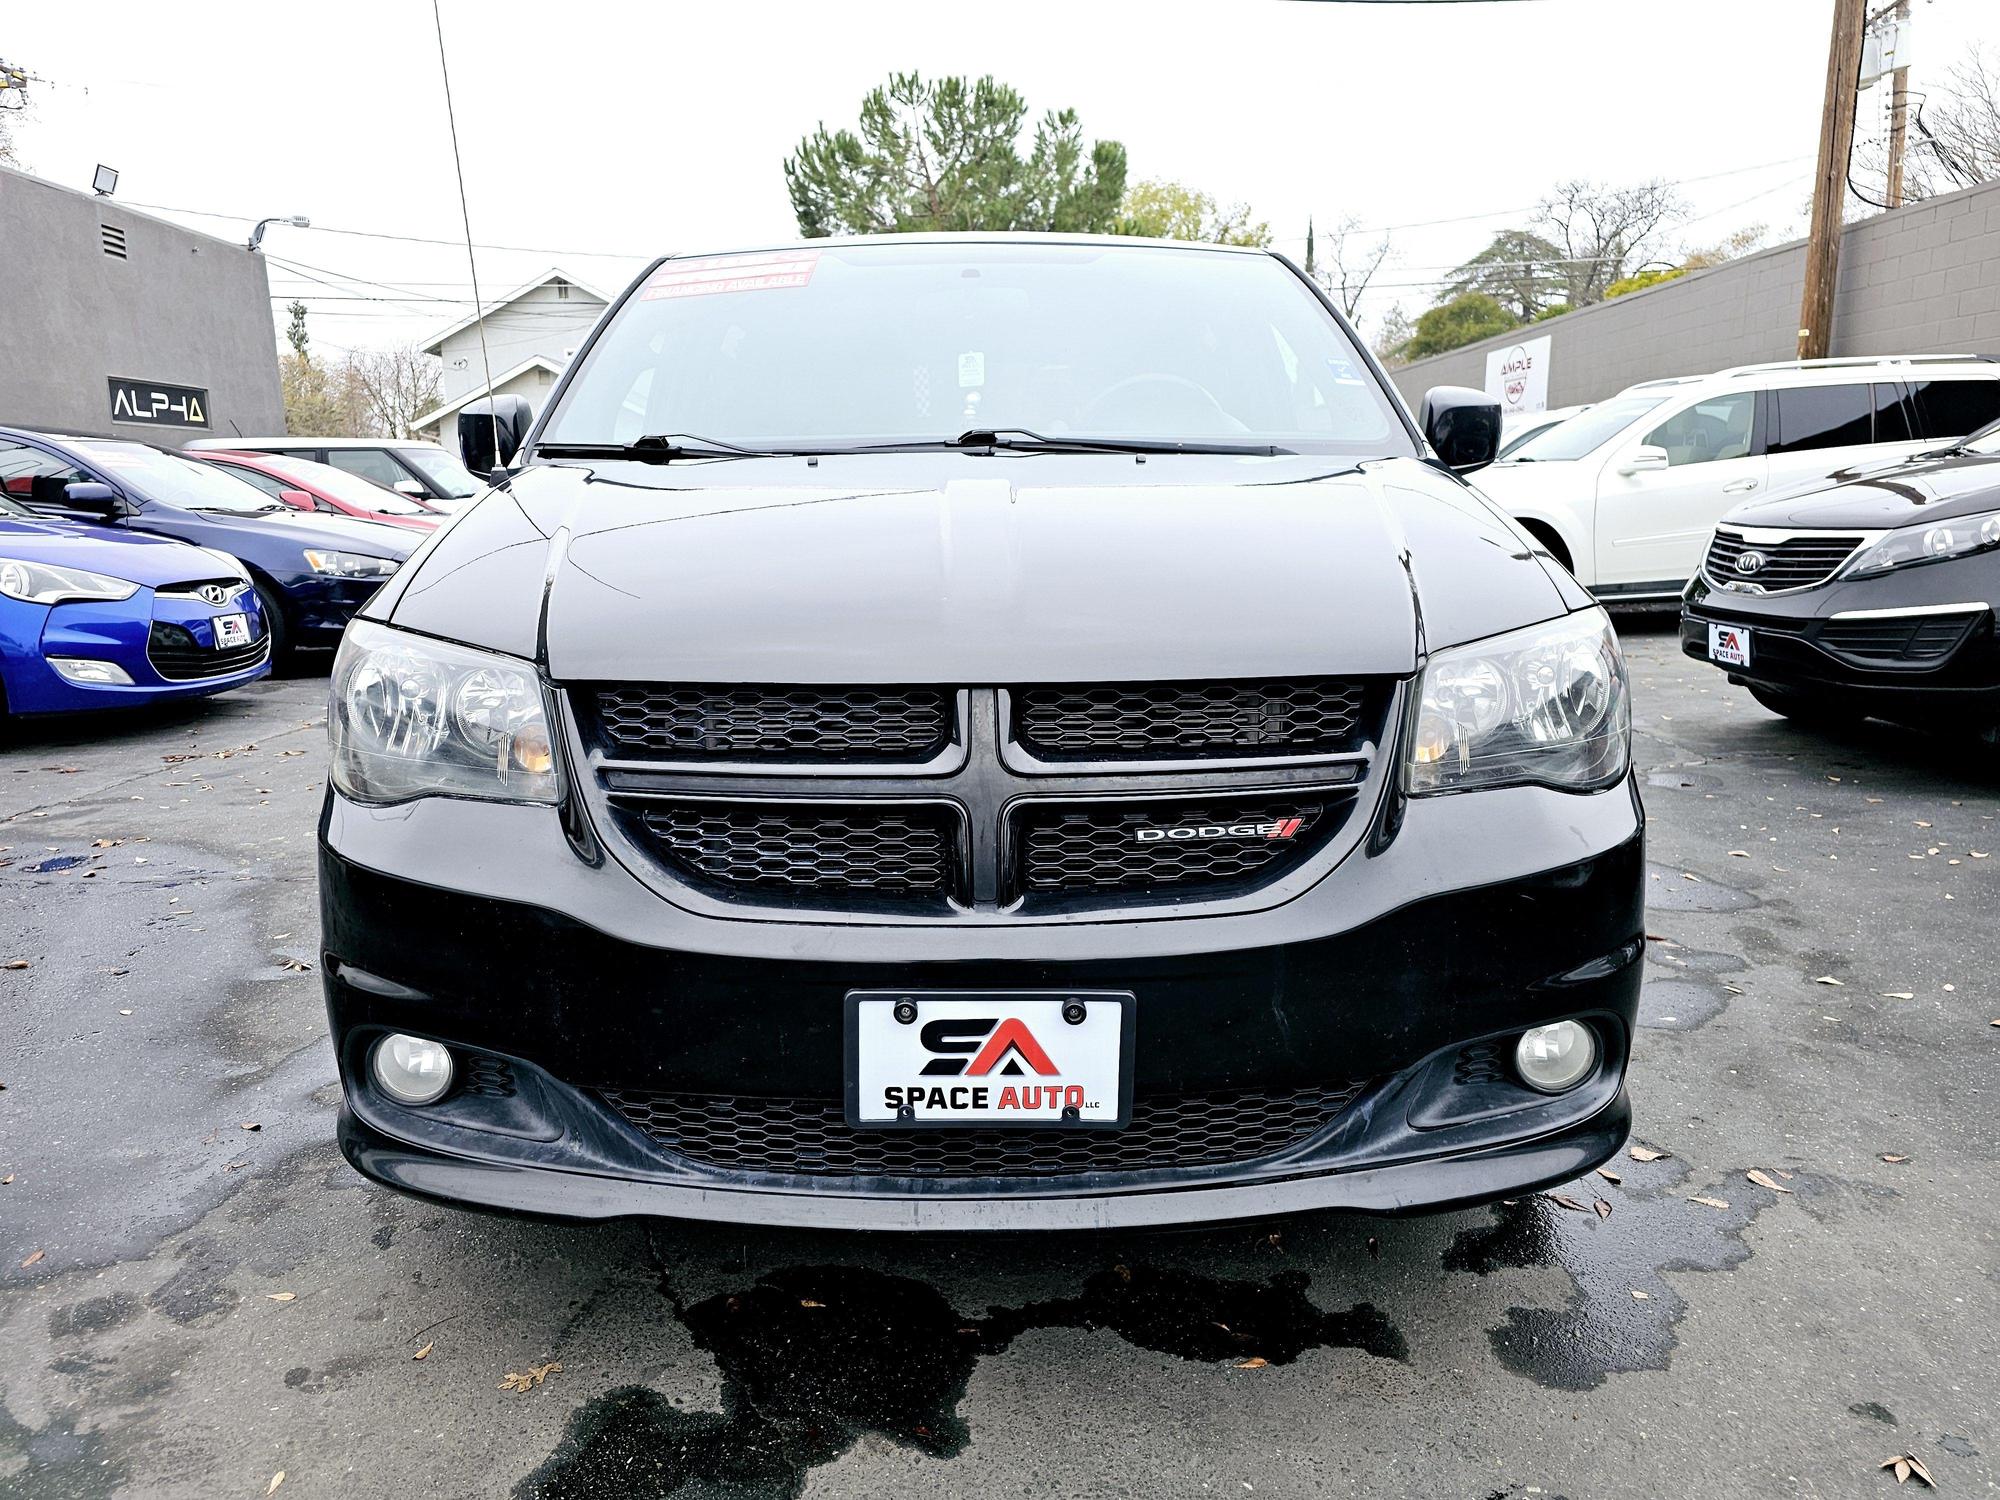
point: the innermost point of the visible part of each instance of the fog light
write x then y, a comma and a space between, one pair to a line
89, 673
411, 1070
1556, 1058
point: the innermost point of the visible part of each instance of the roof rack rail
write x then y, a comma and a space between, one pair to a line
1858, 362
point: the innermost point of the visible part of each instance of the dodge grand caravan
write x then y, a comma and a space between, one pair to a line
980, 732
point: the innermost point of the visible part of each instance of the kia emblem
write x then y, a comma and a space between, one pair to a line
1751, 562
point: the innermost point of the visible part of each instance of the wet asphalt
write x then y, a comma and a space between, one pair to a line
196, 1293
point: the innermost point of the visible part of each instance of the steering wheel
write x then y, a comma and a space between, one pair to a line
1201, 411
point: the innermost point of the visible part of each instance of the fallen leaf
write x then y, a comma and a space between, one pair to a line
1710, 1202
1608, 1175
296, 965
1603, 1208
1567, 1202
1739, 853
276, 1480
1893, 1159
535, 1375
250, 1125
15, 963
808, 1302
37, 1255
1642, 1296
1898, 995
423, 1351
1647, 1153
7, 1179
281, 1296
1829, 979
1923, 825
1254, 1362
1123, 1273
1375, 1245
1763, 1180
1906, 1464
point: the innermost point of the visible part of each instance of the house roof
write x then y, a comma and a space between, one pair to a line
553, 273
478, 392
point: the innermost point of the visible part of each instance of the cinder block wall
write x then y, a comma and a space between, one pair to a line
1918, 280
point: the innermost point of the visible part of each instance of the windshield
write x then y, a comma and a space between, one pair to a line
442, 470
857, 344
178, 481
351, 489
1585, 432
1985, 440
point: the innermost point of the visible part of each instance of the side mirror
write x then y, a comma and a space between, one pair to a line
1463, 425
411, 488
94, 499
491, 431
297, 499
1644, 460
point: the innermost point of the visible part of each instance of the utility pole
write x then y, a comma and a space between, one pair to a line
1899, 112
1836, 144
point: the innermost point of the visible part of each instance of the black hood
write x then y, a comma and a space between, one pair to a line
1915, 492
974, 569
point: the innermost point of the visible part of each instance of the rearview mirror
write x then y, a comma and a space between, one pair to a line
297, 499
99, 501
1644, 460
491, 431
411, 488
1463, 425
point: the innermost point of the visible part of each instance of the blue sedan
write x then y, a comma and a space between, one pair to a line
90, 619
310, 572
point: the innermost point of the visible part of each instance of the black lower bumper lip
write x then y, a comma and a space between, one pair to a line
1423, 1185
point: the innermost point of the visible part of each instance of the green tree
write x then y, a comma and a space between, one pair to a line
946, 155
295, 331
1165, 210
1639, 281
1518, 269
1465, 319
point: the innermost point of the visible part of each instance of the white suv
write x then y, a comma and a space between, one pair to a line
1626, 493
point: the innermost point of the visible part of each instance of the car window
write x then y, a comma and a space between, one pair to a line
1822, 416
1708, 431
372, 464
343, 486
1953, 408
173, 480
261, 480
30, 477
446, 475
1896, 419
856, 344
1585, 432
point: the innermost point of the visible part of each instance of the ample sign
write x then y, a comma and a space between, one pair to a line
1517, 376
147, 403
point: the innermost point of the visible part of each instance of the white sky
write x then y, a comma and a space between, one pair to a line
610, 132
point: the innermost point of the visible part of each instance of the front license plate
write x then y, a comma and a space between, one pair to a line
231, 630
1729, 645
930, 1058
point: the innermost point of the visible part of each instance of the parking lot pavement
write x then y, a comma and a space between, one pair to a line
196, 1293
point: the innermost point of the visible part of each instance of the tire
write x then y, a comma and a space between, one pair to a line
1807, 709
274, 622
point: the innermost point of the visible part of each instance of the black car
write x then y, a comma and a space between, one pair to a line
1872, 595
980, 732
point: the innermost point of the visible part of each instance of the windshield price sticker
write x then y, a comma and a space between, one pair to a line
713, 275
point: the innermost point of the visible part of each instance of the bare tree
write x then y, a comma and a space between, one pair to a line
1350, 268
1600, 232
1953, 138
13, 111
399, 385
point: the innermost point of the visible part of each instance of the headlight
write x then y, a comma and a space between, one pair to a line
412, 717
1958, 537
1545, 706
38, 583
349, 564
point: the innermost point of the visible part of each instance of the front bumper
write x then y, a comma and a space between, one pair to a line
481, 926
118, 631
1806, 642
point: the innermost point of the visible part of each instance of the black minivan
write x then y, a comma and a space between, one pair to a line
981, 731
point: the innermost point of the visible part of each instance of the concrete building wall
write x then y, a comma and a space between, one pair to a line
179, 309
541, 321
1918, 280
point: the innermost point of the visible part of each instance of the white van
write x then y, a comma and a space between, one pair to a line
1626, 493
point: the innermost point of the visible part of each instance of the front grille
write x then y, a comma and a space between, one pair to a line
1098, 847
1796, 564
489, 1077
1285, 716
178, 657
1911, 638
801, 725
811, 1137
893, 850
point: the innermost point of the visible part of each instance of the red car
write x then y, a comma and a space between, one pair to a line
312, 486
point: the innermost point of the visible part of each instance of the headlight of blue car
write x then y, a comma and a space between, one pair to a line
38, 583
349, 564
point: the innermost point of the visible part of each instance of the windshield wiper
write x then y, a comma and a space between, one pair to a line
655, 447
1026, 440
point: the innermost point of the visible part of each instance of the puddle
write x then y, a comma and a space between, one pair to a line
811, 1358
59, 1461
57, 862
1603, 1329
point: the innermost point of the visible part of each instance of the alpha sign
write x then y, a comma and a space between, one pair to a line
151, 404
1517, 376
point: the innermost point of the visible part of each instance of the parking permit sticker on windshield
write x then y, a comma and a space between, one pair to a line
971, 370
712, 275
